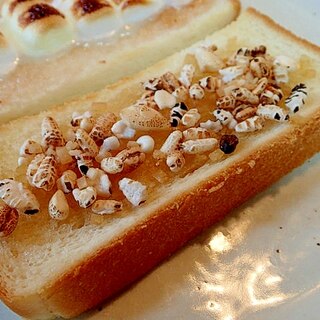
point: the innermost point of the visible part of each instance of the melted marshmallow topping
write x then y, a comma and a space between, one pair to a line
92, 19
41, 28
7, 56
35, 28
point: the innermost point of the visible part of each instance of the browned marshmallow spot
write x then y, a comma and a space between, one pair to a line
82, 8
37, 12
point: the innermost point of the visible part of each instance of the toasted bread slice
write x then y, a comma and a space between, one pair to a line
35, 84
51, 268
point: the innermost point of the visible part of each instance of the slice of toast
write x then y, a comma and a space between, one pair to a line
51, 268
35, 84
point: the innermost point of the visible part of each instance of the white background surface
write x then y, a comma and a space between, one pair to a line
263, 262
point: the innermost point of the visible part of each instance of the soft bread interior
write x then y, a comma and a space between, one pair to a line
40, 250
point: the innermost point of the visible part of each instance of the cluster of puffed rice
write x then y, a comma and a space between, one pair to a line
247, 92
15, 198
246, 88
86, 153
77, 163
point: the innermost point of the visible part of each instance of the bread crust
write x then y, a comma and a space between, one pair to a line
130, 256
22, 92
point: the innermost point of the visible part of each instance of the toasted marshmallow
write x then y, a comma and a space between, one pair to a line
177, 3
37, 27
133, 11
7, 56
92, 19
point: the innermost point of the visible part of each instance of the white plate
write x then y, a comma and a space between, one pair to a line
262, 262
